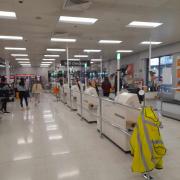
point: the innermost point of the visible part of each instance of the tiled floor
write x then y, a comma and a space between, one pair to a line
49, 142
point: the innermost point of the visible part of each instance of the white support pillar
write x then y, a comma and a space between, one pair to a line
101, 69
68, 75
7, 70
150, 50
118, 76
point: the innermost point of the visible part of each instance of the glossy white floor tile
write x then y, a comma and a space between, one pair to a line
49, 142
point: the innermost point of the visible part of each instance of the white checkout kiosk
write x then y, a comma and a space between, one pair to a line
89, 105
119, 117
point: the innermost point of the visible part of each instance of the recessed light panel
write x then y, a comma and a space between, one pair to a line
20, 55
15, 48
11, 37
96, 60
77, 20
110, 42
7, 15
80, 56
22, 59
49, 59
150, 42
124, 51
51, 55
62, 40
141, 24
92, 50
56, 50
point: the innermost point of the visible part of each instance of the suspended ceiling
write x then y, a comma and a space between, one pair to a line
37, 22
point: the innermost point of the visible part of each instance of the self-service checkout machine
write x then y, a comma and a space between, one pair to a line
119, 118
64, 93
89, 105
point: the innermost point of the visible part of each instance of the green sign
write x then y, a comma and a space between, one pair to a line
118, 56
85, 65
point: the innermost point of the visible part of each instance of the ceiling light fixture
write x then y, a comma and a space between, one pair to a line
92, 50
124, 51
48, 59
23, 62
56, 50
46, 62
73, 59
80, 56
77, 20
51, 55
96, 60
63, 40
140, 24
15, 48
7, 15
22, 55
150, 42
22, 59
110, 42
11, 37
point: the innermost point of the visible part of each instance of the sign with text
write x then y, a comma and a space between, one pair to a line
75, 63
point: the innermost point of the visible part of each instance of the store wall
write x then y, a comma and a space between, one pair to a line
36, 71
139, 59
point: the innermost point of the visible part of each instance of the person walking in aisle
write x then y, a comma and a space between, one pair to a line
37, 90
4, 94
23, 93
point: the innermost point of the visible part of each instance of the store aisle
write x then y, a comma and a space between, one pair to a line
49, 142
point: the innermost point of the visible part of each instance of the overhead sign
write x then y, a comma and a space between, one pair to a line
118, 56
75, 63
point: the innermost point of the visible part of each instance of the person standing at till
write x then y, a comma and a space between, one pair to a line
37, 90
106, 87
23, 93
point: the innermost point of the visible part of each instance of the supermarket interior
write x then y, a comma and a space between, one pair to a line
89, 89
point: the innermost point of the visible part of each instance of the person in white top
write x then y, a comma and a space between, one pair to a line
37, 90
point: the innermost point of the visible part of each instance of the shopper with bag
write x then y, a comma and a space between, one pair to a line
37, 90
23, 93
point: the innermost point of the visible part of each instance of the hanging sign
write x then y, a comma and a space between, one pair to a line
75, 63
118, 56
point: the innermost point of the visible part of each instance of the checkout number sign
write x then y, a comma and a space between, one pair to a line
118, 56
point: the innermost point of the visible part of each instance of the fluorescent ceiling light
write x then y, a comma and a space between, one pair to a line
110, 41
92, 62
15, 48
141, 24
63, 40
73, 59
23, 62
96, 60
51, 55
124, 51
92, 50
22, 59
79, 56
56, 50
150, 42
7, 14
23, 55
49, 59
50, 62
77, 20
11, 37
